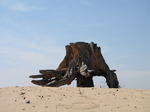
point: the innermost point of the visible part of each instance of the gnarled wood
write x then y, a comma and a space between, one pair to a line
83, 61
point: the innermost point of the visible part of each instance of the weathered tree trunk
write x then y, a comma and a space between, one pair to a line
82, 62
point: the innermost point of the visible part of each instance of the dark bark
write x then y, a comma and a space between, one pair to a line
82, 62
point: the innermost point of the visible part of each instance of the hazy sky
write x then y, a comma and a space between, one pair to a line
33, 35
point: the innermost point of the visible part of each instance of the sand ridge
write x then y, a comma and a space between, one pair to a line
52, 99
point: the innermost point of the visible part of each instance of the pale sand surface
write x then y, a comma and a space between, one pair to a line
48, 99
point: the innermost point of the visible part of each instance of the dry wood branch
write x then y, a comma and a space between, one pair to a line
67, 78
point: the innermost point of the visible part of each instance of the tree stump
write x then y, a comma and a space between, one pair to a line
82, 62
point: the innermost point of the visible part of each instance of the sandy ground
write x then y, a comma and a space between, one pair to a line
47, 99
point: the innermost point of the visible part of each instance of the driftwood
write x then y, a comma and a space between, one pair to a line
82, 62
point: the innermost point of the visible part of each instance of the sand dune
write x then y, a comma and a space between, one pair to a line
47, 99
